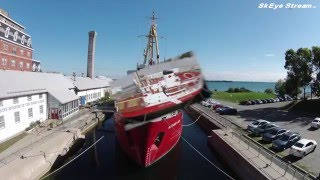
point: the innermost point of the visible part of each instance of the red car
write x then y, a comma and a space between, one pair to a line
216, 106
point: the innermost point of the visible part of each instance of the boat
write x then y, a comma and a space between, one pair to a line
148, 119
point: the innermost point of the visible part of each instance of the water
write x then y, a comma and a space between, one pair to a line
252, 86
107, 161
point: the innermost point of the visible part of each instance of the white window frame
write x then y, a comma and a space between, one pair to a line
15, 100
4, 61
15, 36
40, 96
41, 109
28, 65
5, 47
1, 103
21, 64
29, 98
30, 113
6, 34
17, 117
2, 122
13, 63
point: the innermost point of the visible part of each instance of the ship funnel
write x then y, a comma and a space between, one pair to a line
91, 53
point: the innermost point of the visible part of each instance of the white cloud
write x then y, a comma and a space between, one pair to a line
270, 55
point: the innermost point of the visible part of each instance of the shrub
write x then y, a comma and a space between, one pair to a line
269, 91
230, 90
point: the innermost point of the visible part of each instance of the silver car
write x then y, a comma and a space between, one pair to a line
255, 124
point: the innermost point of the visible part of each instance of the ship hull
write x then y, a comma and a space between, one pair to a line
147, 141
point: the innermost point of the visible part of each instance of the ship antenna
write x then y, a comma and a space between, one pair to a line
152, 44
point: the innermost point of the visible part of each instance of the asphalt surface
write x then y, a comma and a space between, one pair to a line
295, 121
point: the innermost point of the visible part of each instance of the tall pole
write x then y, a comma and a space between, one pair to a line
91, 53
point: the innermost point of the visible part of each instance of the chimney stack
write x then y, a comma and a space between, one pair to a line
91, 54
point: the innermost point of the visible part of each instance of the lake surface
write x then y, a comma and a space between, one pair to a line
252, 86
107, 161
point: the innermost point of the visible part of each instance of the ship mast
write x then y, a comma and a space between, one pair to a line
150, 50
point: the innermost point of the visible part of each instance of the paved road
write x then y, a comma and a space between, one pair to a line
297, 122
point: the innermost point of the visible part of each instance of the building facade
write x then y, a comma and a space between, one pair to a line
16, 52
17, 113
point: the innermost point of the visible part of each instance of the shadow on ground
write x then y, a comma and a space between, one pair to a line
277, 115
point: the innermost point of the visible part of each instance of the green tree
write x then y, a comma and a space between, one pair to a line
280, 88
268, 91
299, 67
315, 87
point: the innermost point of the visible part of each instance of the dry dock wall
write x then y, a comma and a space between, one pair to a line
239, 164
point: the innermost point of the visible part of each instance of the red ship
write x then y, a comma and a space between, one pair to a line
148, 121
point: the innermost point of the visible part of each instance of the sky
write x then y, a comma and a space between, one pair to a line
233, 40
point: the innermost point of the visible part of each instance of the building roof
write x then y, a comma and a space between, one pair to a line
84, 83
22, 83
63, 96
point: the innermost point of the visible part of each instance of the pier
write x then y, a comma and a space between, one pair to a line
230, 141
34, 155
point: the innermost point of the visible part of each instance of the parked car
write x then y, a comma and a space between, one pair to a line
216, 106
263, 101
256, 123
303, 147
286, 140
315, 123
252, 102
273, 134
268, 100
271, 100
281, 99
228, 111
260, 130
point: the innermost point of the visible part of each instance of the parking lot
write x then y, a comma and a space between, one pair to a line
293, 121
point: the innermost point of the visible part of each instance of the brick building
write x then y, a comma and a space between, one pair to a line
15, 46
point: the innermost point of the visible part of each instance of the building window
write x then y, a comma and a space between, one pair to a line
15, 101
28, 65
23, 38
4, 61
13, 63
28, 54
5, 47
15, 36
30, 113
17, 117
21, 52
40, 96
6, 34
2, 123
41, 109
14, 50
1, 103
21, 65
29, 42
29, 98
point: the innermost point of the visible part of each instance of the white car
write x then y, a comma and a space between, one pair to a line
303, 147
315, 123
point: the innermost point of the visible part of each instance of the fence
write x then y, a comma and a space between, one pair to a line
271, 158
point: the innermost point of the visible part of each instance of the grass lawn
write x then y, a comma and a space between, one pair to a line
242, 96
10, 142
